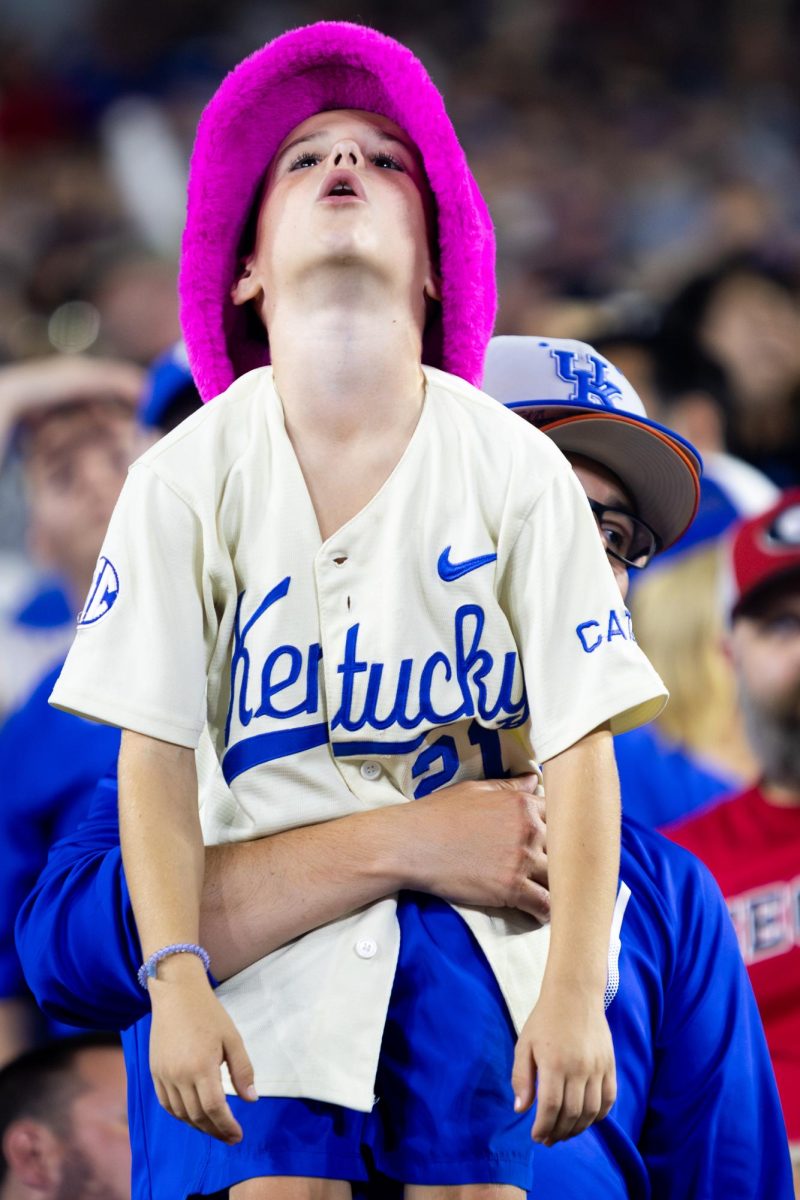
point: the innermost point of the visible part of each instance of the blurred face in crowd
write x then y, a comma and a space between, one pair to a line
343, 187
752, 326
85, 1153
765, 649
76, 458
97, 1160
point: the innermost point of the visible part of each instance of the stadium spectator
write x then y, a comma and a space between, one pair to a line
751, 841
745, 314
63, 1123
696, 751
74, 423
697, 1111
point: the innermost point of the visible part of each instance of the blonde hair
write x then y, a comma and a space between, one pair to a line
678, 623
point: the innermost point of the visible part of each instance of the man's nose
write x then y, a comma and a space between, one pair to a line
346, 153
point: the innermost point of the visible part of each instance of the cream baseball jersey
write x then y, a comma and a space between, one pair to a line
464, 624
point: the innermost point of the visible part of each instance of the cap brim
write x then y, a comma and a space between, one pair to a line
759, 593
660, 472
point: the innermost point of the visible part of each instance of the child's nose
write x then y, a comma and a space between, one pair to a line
346, 153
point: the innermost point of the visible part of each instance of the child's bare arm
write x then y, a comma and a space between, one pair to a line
564, 1051
163, 854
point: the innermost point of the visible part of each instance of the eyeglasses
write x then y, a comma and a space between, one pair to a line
626, 537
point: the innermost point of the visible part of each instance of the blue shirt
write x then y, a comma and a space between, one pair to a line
661, 783
697, 1115
50, 762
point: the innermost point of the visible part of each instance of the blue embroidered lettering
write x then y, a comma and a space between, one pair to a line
312, 677
242, 655
397, 715
426, 710
581, 632
614, 627
348, 670
271, 687
505, 699
475, 660
403, 703
590, 384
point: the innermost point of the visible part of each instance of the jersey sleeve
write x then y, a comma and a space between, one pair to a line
75, 932
139, 656
580, 658
714, 1125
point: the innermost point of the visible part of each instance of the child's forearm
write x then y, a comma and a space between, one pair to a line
162, 847
583, 821
162, 844
564, 1054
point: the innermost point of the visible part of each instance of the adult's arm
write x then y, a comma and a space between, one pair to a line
475, 843
42, 795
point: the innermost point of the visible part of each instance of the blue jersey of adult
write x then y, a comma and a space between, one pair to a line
50, 762
697, 1115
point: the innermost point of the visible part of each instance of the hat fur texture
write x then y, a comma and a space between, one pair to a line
329, 65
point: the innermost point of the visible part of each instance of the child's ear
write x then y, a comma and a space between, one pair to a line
433, 286
246, 287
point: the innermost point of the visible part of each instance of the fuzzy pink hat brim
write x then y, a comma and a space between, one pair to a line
329, 65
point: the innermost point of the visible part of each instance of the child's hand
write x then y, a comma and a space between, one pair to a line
190, 1037
565, 1056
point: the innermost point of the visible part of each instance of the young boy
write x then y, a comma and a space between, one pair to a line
367, 578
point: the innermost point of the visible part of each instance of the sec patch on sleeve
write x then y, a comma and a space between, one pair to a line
102, 594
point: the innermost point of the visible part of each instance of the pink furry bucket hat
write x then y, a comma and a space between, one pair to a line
320, 67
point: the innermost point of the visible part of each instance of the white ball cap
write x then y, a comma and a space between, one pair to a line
587, 406
526, 372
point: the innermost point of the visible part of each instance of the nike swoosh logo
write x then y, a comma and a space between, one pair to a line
448, 571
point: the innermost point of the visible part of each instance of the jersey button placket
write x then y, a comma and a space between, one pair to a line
330, 570
366, 948
371, 771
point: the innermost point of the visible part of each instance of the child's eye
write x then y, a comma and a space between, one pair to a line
387, 162
309, 158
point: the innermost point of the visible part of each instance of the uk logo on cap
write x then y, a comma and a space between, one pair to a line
102, 594
588, 376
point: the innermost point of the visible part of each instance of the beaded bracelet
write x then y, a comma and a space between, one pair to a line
148, 969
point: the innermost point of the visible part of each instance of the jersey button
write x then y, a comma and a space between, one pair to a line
371, 770
366, 948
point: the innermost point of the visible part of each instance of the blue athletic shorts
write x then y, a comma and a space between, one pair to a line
445, 1107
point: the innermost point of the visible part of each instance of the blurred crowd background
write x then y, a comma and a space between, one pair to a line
624, 148
641, 164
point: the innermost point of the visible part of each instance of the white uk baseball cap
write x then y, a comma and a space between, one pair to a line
587, 406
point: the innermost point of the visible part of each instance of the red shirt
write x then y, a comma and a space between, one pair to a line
753, 849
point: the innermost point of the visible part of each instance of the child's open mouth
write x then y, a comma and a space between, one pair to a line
341, 185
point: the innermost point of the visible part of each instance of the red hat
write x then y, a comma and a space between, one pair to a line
766, 549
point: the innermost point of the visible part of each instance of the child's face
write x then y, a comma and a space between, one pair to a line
345, 188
